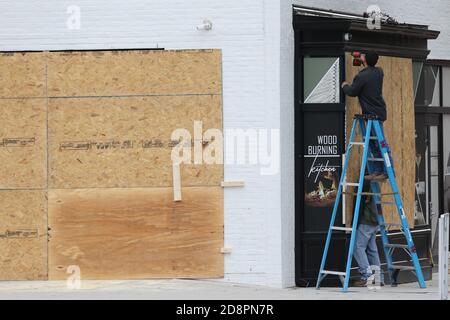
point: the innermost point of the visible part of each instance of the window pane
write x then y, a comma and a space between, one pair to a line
321, 80
417, 70
428, 91
446, 86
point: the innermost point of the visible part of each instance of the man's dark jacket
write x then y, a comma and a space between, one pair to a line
368, 87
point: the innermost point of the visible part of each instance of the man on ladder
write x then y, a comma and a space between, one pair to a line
368, 87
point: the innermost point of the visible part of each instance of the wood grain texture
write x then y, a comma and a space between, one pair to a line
135, 72
109, 116
136, 233
148, 122
22, 74
23, 143
399, 131
23, 235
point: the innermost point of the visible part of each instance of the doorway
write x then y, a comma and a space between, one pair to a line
320, 139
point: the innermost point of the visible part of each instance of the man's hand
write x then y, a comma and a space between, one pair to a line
344, 84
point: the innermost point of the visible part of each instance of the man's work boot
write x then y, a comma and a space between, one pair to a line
360, 283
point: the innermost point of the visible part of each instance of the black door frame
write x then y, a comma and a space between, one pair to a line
326, 34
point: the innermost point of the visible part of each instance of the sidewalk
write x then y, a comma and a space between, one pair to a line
202, 289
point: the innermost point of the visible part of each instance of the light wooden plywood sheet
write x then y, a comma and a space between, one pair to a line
126, 142
136, 233
399, 131
22, 75
120, 140
23, 143
135, 72
23, 235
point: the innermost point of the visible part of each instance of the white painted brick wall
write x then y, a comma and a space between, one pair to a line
247, 31
257, 42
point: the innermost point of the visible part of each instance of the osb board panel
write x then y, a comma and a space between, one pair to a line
126, 142
23, 235
399, 131
23, 143
22, 74
112, 73
136, 233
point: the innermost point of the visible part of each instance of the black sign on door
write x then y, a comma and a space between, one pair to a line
322, 153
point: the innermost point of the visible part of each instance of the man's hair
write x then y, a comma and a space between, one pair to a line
371, 58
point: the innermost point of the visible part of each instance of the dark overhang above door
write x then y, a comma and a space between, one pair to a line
322, 31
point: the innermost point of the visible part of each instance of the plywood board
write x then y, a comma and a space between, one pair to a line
23, 235
104, 120
136, 233
23, 143
22, 75
399, 131
135, 72
126, 142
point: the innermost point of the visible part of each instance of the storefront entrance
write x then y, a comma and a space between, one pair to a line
322, 42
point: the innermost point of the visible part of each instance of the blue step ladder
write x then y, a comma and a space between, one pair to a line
373, 126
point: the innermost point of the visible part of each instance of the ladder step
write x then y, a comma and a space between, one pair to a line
403, 268
375, 159
357, 143
337, 273
371, 193
342, 228
351, 184
394, 245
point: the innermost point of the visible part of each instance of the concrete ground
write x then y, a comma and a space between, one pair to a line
202, 289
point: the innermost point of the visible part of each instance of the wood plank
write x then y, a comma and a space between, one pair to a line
134, 72
126, 142
120, 140
23, 235
22, 74
136, 233
392, 97
399, 132
23, 143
